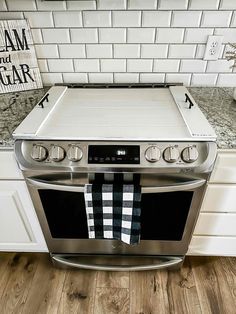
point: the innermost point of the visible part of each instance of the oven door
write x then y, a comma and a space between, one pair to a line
169, 210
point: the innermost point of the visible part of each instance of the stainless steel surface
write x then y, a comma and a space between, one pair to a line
153, 153
190, 154
171, 154
117, 263
178, 186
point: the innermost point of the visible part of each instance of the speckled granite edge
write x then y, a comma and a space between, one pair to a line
216, 103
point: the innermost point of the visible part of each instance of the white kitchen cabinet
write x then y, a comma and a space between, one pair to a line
215, 231
19, 226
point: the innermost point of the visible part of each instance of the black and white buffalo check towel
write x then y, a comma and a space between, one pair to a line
113, 211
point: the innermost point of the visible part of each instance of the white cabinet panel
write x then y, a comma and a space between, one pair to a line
225, 168
19, 226
216, 224
207, 245
12, 222
220, 198
8, 166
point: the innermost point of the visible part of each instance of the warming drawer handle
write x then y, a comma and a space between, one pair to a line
183, 186
168, 262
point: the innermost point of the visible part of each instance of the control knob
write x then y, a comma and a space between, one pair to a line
171, 154
56, 153
190, 154
153, 154
39, 153
74, 153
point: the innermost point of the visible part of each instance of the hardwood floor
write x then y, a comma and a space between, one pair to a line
30, 284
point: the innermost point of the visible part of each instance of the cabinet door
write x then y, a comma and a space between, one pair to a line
19, 227
8, 166
225, 167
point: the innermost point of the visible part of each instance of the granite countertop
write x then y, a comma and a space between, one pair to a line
216, 103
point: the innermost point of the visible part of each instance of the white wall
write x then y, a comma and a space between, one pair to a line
128, 40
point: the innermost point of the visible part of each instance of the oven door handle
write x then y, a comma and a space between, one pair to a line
71, 261
182, 186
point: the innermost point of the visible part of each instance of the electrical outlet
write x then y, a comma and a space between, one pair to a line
213, 47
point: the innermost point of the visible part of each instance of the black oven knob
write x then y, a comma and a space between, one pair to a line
74, 153
171, 154
56, 153
39, 153
190, 154
152, 154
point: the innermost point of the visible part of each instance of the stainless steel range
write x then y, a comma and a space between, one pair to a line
156, 133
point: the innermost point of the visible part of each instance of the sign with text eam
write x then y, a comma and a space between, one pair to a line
18, 63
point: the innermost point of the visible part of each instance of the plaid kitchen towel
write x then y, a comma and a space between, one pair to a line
113, 211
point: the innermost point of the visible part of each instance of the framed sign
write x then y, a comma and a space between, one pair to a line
18, 63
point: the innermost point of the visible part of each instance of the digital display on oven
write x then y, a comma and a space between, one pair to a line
114, 154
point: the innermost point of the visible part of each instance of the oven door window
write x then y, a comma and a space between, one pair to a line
163, 217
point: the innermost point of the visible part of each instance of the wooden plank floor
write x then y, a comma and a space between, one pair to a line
30, 284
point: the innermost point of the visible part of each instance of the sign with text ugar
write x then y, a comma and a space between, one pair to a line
18, 64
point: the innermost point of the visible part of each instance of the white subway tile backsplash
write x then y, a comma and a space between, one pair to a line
156, 18
197, 35
152, 77
126, 51
126, 18
86, 65
126, 77
166, 66
43, 66
99, 51
193, 66
100, 78
128, 40
53, 36
219, 66
60, 65
204, 79
178, 78
67, 19
97, 18
39, 19
72, 51
203, 4
186, 19
228, 33
111, 4
113, 65
37, 36
228, 5
139, 65
81, 5
170, 35
142, 5
50, 79
50, 5
21, 5
173, 4
75, 78
141, 35
154, 51
3, 6
226, 80
182, 51
11, 15
46, 51
112, 35
216, 19
84, 35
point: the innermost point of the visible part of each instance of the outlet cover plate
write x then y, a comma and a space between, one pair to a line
213, 47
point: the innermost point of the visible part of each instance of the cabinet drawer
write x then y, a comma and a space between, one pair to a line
8, 166
208, 245
225, 168
216, 224
220, 198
